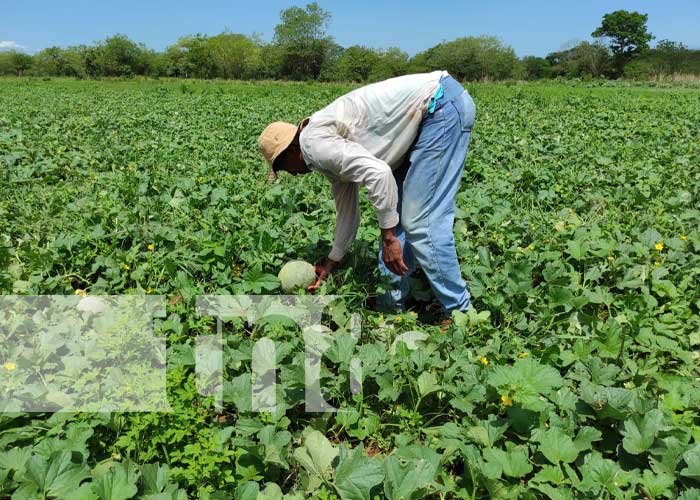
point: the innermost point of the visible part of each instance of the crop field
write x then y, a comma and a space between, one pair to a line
577, 229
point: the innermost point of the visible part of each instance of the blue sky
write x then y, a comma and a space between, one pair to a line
534, 27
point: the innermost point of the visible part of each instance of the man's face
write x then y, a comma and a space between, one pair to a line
292, 161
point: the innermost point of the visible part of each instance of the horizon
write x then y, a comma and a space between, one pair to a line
32, 28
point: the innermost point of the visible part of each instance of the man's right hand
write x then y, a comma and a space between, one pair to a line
392, 253
322, 272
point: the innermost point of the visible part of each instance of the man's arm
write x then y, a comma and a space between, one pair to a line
347, 220
353, 164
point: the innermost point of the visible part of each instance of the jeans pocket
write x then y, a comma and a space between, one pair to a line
466, 109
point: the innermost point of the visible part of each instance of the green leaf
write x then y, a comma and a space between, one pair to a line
550, 474
657, 485
154, 477
271, 492
576, 249
407, 479
247, 490
600, 473
585, 437
488, 431
427, 382
513, 463
254, 280
115, 484
640, 431
411, 339
316, 456
84, 492
15, 459
692, 459
275, 444
526, 380
57, 475
356, 474
555, 445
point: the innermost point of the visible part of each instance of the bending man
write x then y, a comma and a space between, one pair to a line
405, 139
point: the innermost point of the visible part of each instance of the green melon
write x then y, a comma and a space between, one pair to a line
296, 273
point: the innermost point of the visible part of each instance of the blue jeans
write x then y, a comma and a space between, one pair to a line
427, 188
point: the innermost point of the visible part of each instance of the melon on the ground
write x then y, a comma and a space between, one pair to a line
295, 274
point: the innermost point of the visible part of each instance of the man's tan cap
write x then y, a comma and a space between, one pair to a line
275, 139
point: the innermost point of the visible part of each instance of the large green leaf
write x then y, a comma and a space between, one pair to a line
526, 381
356, 474
56, 476
556, 445
115, 484
407, 479
640, 431
692, 459
316, 456
154, 477
15, 459
602, 475
513, 462
427, 382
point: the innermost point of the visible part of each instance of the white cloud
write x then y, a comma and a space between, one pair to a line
11, 45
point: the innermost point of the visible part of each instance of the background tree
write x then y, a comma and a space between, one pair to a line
190, 58
56, 61
117, 55
627, 33
470, 58
357, 63
536, 68
585, 59
233, 55
392, 62
303, 39
15, 63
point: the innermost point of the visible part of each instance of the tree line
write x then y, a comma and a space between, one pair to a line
302, 49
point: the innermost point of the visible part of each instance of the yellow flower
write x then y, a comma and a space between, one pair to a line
151, 247
125, 267
484, 360
523, 355
659, 246
149, 290
684, 237
81, 292
610, 257
531, 247
398, 319
506, 400
9, 366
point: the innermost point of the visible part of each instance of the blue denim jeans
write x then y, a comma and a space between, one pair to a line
427, 188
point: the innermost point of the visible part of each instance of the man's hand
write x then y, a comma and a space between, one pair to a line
322, 272
392, 254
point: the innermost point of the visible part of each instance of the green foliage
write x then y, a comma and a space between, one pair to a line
536, 68
302, 38
628, 35
470, 58
576, 228
626, 30
584, 60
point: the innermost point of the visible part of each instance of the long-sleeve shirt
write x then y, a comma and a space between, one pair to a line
359, 139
